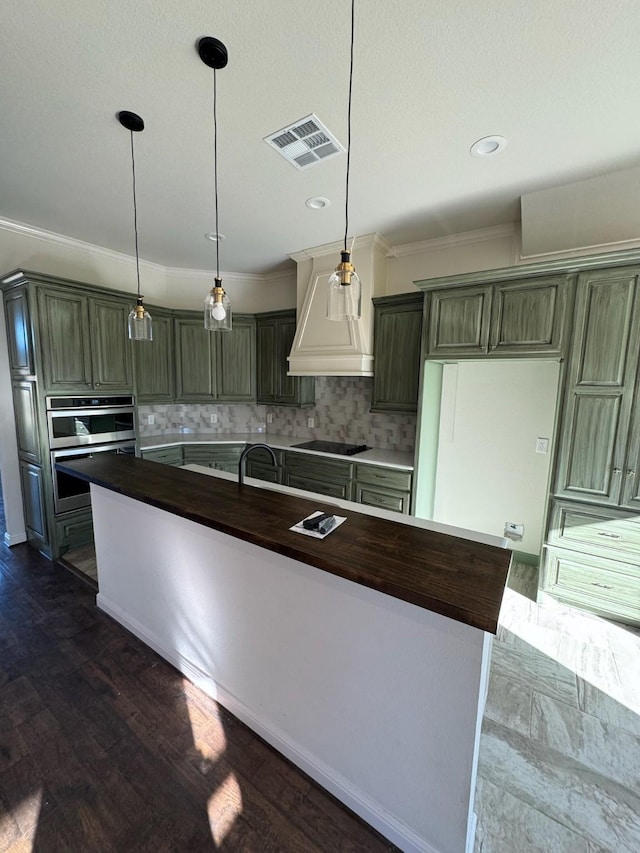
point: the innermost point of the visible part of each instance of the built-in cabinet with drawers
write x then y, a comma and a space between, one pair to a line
592, 556
275, 332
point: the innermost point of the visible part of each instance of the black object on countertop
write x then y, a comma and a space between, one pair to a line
332, 447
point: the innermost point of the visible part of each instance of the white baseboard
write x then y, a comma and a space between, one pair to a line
370, 811
15, 538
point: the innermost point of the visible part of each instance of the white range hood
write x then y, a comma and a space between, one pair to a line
324, 347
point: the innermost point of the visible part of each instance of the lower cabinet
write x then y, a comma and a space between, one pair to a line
224, 457
73, 529
387, 488
319, 474
260, 466
35, 516
592, 559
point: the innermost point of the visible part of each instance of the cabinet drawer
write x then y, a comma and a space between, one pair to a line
391, 477
604, 586
320, 487
208, 454
606, 533
319, 467
168, 456
387, 499
74, 530
264, 472
263, 457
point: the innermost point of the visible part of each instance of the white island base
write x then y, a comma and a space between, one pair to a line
380, 701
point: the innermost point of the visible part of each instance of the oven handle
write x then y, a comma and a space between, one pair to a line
128, 447
110, 410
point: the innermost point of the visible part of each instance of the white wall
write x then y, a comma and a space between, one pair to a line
488, 471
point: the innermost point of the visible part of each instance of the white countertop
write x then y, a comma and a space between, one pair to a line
402, 460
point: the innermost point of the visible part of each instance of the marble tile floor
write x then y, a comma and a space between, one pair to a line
559, 764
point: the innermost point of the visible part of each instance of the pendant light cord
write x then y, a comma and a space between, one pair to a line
215, 169
346, 204
135, 211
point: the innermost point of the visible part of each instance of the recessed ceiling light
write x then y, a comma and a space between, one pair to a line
211, 235
318, 202
488, 145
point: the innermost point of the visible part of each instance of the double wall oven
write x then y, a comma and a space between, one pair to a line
81, 427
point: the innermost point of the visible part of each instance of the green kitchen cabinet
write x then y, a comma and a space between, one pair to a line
19, 340
236, 361
320, 474
25, 407
215, 366
73, 529
275, 333
154, 361
387, 488
84, 341
165, 455
195, 365
223, 456
33, 499
396, 349
502, 320
593, 464
260, 465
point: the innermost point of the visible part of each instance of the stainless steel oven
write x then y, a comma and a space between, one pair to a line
78, 421
70, 492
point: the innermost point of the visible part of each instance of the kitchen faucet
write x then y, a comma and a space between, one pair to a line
246, 452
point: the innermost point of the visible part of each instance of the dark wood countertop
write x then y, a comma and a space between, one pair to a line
445, 574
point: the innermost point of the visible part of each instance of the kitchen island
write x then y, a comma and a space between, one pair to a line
362, 657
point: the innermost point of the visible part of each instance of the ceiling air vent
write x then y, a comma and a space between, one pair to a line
305, 142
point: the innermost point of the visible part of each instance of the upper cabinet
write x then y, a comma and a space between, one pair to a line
83, 341
154, 361
396, 348
598, 456
16, 308
275, 333
215, 366
505, 319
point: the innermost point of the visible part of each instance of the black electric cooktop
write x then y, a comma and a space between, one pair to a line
332, 447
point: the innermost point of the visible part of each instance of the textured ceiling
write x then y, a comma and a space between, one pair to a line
558, 79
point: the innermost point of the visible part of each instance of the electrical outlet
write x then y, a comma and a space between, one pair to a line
269, 418
513, 530
542, 445
214, 418
311, 423
151, 419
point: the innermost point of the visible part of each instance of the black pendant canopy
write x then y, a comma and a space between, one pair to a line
132, 121
212, 52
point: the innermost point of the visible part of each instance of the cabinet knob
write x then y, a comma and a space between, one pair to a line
631, 473
617, 470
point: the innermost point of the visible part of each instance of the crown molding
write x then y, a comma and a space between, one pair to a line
465, 238
189, 273
367, 241
71, 243
581, 251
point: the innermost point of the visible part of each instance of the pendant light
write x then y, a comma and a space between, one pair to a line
217, 308
139, 322
345, 290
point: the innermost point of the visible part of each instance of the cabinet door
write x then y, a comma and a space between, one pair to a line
396, 351
289, 387
154, 362
16, 309
600, 388
382, 498
266, 354
459, 322
63, 325
236, 361
110, 345
528, 317
25, 408
31, 477
195, 379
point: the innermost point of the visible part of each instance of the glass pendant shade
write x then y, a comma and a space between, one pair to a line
217, 309
140, 327
345, 292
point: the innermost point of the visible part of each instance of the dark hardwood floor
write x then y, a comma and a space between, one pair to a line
105, 747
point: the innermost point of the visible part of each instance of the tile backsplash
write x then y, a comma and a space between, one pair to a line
341, 413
